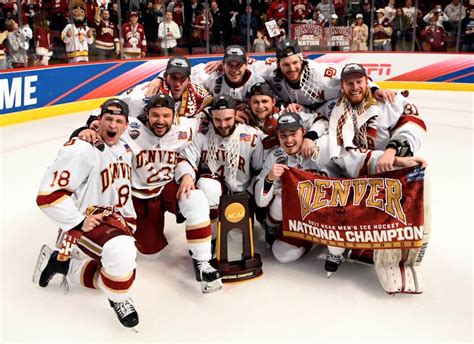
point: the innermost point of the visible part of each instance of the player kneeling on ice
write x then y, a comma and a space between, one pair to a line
268, 189
156, 138
87, 193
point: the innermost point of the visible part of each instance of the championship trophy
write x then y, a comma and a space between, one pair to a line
234, 214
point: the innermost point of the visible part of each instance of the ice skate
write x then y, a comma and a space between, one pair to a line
332, 263
210, 278
51, 269
41, 262
126, 313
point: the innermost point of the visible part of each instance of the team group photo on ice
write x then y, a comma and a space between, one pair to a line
324, 156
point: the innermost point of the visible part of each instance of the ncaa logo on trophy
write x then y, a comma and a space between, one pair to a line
234, 214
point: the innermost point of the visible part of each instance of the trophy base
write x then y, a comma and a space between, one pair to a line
239, 270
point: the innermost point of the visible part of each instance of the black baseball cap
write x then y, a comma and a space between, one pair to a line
286, 48
178, 64
261, 89
160, 100
352, 68
106, 107
224, 102
290, 121
235, 53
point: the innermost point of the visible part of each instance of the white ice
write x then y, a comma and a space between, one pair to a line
289, 303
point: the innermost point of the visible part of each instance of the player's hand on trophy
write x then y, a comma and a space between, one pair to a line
91, 222
153, 87
89, 135
276, 172
185, 186
294, 107
385, 163
213, 66
385, 95
307, 148
410, 161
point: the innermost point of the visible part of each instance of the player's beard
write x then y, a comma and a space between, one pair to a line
225, 131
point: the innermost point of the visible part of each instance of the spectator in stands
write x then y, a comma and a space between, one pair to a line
300, 10
260, 43
278, 9
433, 37
318, 18
133, 38
326, 8
107, 38
17, 48
177, 8
382, 31
77, 36
410, 11
340, 8
390, 10
243, 25
3, 47
43, 40
151, 18
367, 13
202, 26
400, 25
354, 7
168, 33
455, 12
467, 31
334, 20
360, 34
114, 13
218, 28
437, 16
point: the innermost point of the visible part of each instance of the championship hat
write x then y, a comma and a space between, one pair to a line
178, 64
224, 102
261, 89
287, 47
359, 15
160, 100
289, 121
133, 13
352, 68
106, 107
235, 53
380, 10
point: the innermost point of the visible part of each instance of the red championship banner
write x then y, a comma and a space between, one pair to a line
383, 211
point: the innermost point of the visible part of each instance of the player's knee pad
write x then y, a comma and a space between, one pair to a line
195, 208
286, 253
119, 255
212, 189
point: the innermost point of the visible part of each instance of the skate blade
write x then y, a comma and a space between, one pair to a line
43, 256
135, 329
211, 287
329, 274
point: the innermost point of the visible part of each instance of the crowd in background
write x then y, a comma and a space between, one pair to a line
39, 32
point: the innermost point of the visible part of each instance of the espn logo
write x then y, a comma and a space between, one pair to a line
378, 68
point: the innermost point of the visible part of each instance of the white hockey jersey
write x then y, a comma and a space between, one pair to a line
217, 84
83, 176
321, 165
155, 158
250, 159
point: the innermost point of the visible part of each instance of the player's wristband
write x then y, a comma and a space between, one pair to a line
267, 184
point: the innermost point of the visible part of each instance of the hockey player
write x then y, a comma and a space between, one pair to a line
394, 130
155, 139
190, 98
86, 192
222, 158
290, 132
77, 36
235, 79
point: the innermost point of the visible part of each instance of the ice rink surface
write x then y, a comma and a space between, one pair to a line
289, 303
